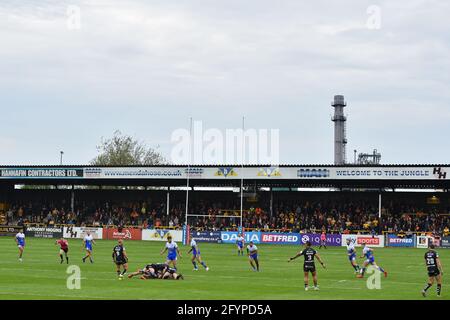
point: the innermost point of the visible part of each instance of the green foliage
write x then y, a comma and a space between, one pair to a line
122, 150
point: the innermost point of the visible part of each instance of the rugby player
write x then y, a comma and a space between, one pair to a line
172, 252
88, 241
63, 249
351, 253
240, 242
309, 265
148, 272
252, 252
196, 257
171, 274
370, 259
20, 241
434, 269
120, 258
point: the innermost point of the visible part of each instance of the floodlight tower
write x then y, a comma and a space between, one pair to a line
340, 139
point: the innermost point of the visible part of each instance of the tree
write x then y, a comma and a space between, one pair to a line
122, 150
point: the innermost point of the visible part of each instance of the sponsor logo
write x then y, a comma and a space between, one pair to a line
275, 238
401, 240
305, 238
368, 240
439, 173
269, 172
41, 173
43, 229
159, 234
206, 236
185, 234
231, 237
194, 172
226, 172
92, 172
125, 234
422, 240
9, 230
162, 235
445, 242
313, 173
143, 172
80, 232
315, 239
44, 232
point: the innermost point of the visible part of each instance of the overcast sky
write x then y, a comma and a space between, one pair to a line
145, 67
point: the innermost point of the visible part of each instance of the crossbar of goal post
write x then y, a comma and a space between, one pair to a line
187, 230
209, 216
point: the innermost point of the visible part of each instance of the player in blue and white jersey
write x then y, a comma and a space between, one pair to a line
88, 241
172, 252
351, 253
196, 257
370, 259
240, 242
20, 241
252, 252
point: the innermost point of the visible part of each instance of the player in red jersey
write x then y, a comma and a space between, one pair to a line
63, 249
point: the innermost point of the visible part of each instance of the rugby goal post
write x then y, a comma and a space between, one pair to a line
186, 228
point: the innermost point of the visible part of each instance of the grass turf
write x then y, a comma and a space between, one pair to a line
41, 276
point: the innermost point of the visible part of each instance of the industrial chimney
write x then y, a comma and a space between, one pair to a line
340, 140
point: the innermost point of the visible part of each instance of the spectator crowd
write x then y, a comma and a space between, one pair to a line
293, 215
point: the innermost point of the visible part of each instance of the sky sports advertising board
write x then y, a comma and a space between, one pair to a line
223, 173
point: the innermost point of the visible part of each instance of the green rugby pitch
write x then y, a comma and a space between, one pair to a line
41, 276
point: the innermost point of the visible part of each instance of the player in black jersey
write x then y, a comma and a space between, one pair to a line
151, 271
309, 265
120, 258
171, 274
434, 269
146, 273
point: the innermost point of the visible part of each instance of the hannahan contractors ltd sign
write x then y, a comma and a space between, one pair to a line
41, 173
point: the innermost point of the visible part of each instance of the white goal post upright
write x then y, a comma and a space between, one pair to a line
242, 172
188, 173
187, 214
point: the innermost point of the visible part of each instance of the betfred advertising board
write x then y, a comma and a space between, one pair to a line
161, 235
231, 237
359, 240
280, 238
123, 233
80, 232
394, 241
